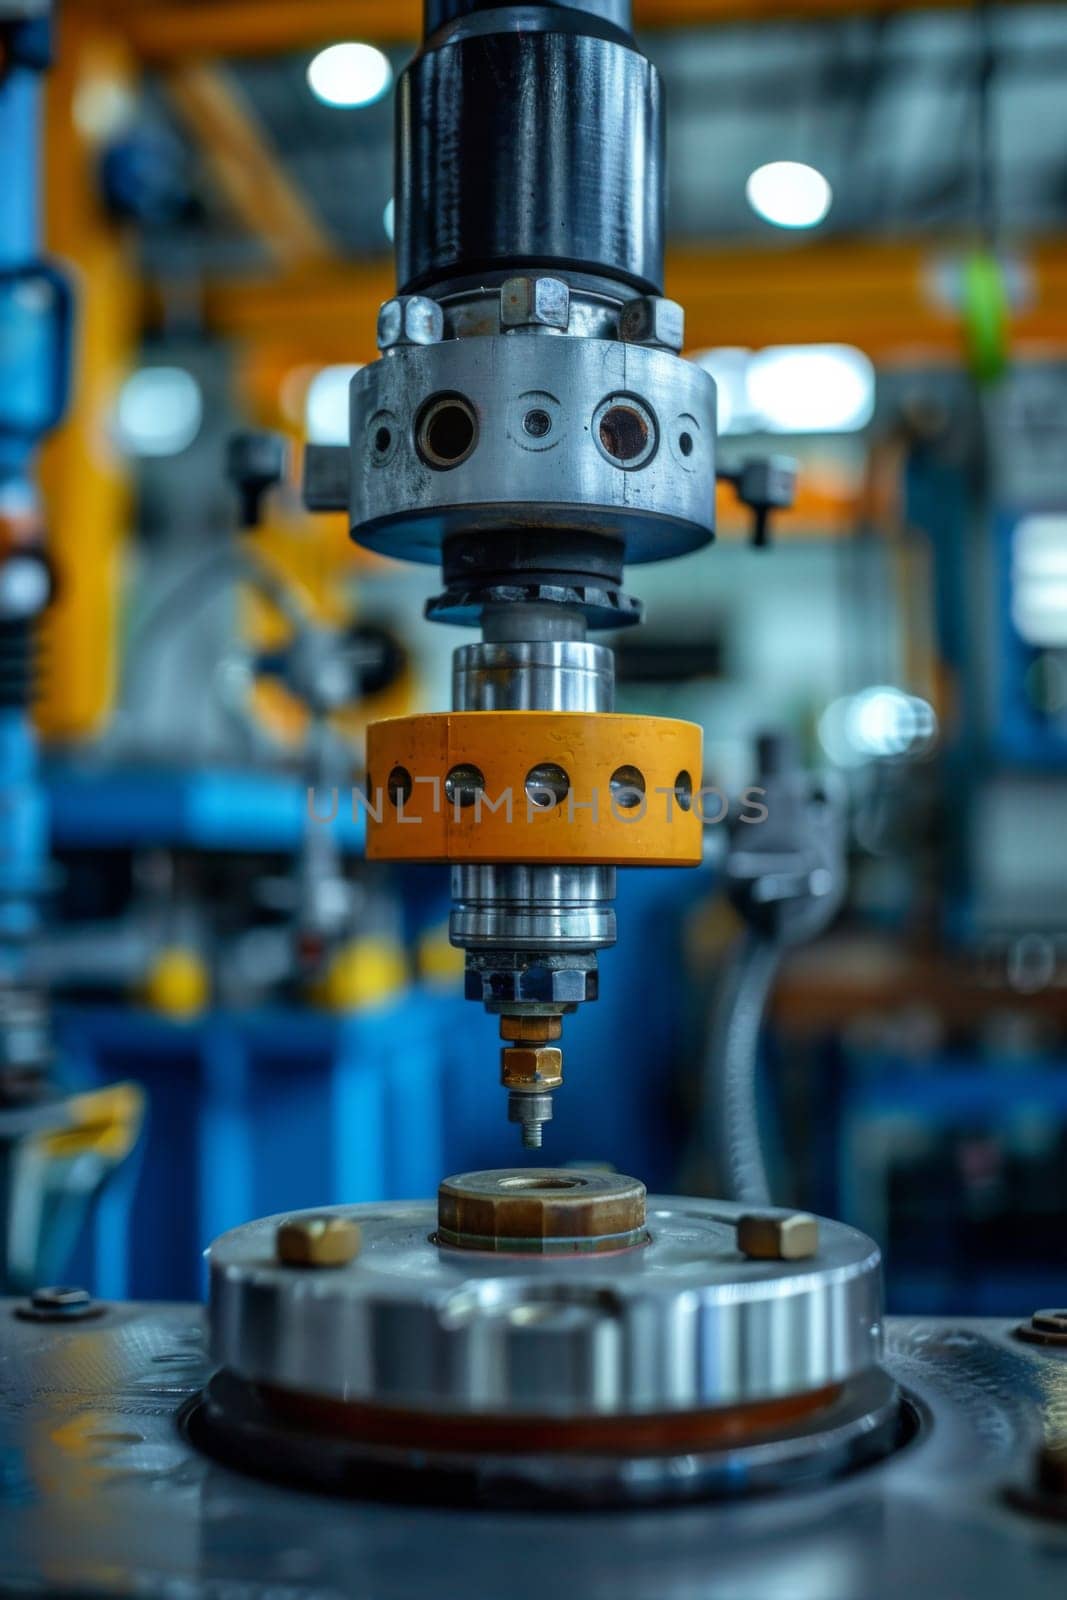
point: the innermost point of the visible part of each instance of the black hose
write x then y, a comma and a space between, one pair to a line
731, 1123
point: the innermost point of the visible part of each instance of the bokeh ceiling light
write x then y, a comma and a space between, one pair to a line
879, 723
389, 219
159, 412
326, 407
728, 365
811, 388
789, 194
1039, 580
349, 74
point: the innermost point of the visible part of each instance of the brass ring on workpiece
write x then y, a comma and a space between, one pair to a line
563, 787
543, 1211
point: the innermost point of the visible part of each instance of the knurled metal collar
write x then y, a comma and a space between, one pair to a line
541, 1212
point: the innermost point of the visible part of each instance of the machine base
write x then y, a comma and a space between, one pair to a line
103, 1494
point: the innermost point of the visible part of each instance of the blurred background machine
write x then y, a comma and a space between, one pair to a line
218, 188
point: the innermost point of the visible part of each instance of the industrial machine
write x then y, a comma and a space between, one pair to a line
540, 1339
57, 1149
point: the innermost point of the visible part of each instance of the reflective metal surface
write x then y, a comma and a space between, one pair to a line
532, 907
100, 1494
570, 675
682, 1323
510, 478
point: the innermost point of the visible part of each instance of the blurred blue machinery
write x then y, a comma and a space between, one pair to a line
256, 1112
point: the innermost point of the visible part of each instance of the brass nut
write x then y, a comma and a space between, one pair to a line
318, 1241
530, 1030
543, 1211
786, 1236
531, 1067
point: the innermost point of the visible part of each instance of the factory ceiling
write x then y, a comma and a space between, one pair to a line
886, 105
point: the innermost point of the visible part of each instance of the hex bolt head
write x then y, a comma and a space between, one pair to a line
531, 1067
651, 320
535, 303
768, 483
59, 1304
410, 319
318, 1241
1045, 1327
788, 1236
530, 1029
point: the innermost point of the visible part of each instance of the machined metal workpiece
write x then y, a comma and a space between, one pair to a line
676, 1324
107, 1475
541, 1211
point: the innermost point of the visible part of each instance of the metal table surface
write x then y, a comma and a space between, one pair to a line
100, 1493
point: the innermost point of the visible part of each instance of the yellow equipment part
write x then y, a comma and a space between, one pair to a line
105, 1122
178, 984
626, 789
367, 972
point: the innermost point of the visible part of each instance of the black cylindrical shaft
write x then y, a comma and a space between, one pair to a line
439, 13
529, 137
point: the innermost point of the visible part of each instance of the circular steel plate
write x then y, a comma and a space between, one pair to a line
682, 1323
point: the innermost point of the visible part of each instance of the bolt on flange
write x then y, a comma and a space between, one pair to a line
410, 319
530, 302
785, 1236
318, 1241
61, 1303
1045, 1327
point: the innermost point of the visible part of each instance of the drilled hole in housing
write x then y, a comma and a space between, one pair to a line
446, 431
623, 432
547, 785
537, 423
400, 786
524, 1183
685, 443
383, 438
463, 785
627, 787
683, 790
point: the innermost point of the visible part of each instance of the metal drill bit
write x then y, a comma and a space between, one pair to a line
529, 1072
531, 1112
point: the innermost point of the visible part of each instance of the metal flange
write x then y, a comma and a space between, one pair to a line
682, 1323
514, 431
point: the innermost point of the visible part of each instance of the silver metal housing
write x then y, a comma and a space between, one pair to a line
682, 1323
532, 907
541, 675
659, 504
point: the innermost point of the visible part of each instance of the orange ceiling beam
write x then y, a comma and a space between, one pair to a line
163, 31
878, 296
244, 167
